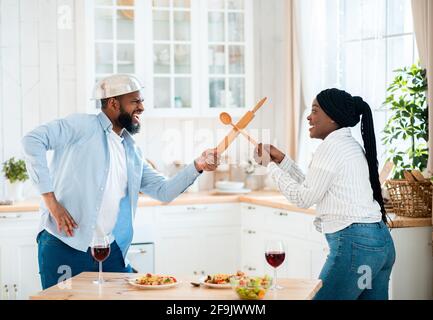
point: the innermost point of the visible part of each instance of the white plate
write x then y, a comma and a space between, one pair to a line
237, 191
217, 286
149, 287
229, 185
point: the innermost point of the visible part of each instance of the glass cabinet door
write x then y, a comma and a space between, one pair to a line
172, 54
226, 53
193, 56
114, 37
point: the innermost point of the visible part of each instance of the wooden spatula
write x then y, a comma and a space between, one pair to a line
242, 124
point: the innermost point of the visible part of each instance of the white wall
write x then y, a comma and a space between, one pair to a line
41, 74
38, 69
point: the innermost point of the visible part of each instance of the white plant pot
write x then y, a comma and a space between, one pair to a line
14, 191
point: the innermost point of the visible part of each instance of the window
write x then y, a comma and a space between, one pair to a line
376, 39
194, 56
172, 60
114, 37
226, 42
354, 45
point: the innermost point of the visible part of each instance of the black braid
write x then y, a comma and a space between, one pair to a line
369, 138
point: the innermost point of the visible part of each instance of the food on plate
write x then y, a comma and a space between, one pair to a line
222, 278
253, 288
155, 280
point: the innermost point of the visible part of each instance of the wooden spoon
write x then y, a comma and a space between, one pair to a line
227, 120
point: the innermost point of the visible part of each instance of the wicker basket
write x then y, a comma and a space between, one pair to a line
410, 198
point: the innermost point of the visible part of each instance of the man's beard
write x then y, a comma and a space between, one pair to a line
126, 122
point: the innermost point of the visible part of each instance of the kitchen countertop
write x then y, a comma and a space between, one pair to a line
271, 199
117, 288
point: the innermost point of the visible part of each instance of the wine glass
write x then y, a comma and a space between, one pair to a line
275, 255
100, 249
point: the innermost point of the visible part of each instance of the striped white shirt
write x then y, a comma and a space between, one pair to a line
337, 183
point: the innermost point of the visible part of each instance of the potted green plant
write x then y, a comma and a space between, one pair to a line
16, 174
406, 132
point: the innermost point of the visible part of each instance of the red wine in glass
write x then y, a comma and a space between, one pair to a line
275, 254
100, 253
100, 249
275, 258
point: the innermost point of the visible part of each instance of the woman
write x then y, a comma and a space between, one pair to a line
343, 181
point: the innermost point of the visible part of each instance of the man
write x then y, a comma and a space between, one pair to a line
93, 183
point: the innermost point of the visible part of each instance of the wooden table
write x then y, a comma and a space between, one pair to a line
117, 288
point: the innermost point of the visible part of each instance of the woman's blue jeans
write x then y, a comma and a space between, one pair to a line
359, 263
59, 262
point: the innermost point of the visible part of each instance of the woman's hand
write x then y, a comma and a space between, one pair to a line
265, 153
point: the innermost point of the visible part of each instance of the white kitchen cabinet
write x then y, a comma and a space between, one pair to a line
252, 216
412, 274
253, 251
197, 240
252, 239
220, 250
5, 271
319, 252
290, 223
177, 251
19, 271
144, 225
141, 257
298, 258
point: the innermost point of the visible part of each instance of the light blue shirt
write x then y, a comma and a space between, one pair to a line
78, 173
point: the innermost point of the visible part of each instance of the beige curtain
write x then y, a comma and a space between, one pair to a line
423, 25
293, 84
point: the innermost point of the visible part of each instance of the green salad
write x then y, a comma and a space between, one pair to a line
251, 288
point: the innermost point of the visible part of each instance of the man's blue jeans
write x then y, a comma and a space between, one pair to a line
359, 263
58, 261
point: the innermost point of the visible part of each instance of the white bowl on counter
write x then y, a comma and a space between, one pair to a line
229, 185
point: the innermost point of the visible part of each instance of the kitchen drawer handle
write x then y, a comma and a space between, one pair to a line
12, 216
6, 292
281, 214
138, 251
250, 268
196, 208
251, 208
250, 231
15, 292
